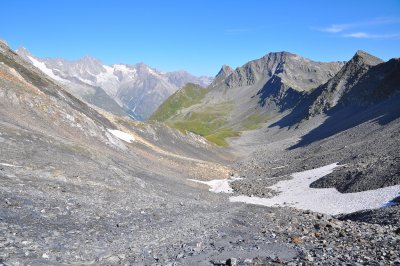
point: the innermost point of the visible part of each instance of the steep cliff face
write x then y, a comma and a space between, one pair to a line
378, 83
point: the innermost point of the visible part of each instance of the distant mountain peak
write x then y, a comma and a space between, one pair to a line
142, 67
89, 59
141, 64
136, 88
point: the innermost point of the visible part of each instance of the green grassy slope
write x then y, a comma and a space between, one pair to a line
187, 96
212, 121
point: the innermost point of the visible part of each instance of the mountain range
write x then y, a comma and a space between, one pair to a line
136, 90
278, 83
244, 98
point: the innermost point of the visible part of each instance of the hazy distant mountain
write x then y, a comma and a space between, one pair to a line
137, 89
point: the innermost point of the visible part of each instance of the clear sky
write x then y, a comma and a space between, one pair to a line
200, 36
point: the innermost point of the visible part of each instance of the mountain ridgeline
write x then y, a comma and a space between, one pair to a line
279, 83
135, 90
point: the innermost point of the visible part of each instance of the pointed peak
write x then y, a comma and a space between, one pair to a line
226, 68
141, 65
366, 58
362, 53
225, 71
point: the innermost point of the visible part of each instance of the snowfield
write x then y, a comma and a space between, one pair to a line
10, 165
297, 193
42, 66
122, 135
218, 185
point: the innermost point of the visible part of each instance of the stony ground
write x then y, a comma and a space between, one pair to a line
59, 208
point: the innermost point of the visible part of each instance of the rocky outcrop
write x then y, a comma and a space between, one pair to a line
329, 94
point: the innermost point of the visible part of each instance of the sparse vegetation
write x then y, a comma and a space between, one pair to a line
254, 121
210, 123
187, 96
220, 136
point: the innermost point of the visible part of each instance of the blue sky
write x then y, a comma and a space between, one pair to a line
200, 36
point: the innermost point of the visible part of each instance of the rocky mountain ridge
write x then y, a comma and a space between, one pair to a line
254, 92
349, 76
137, 89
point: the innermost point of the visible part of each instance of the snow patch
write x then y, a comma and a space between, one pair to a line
297, 193
42, 66
124, 69
10, 165
107, 75
279, 167
218, 185
115, 141
85, 80
152, 72
122, 135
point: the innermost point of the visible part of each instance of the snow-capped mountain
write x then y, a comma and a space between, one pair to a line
137, 89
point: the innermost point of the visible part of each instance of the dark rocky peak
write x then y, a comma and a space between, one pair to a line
378, 83
346, 82
253, 71
357, 66
271, 64
362, 57
300, 73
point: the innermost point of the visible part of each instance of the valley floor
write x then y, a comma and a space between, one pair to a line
61, 204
